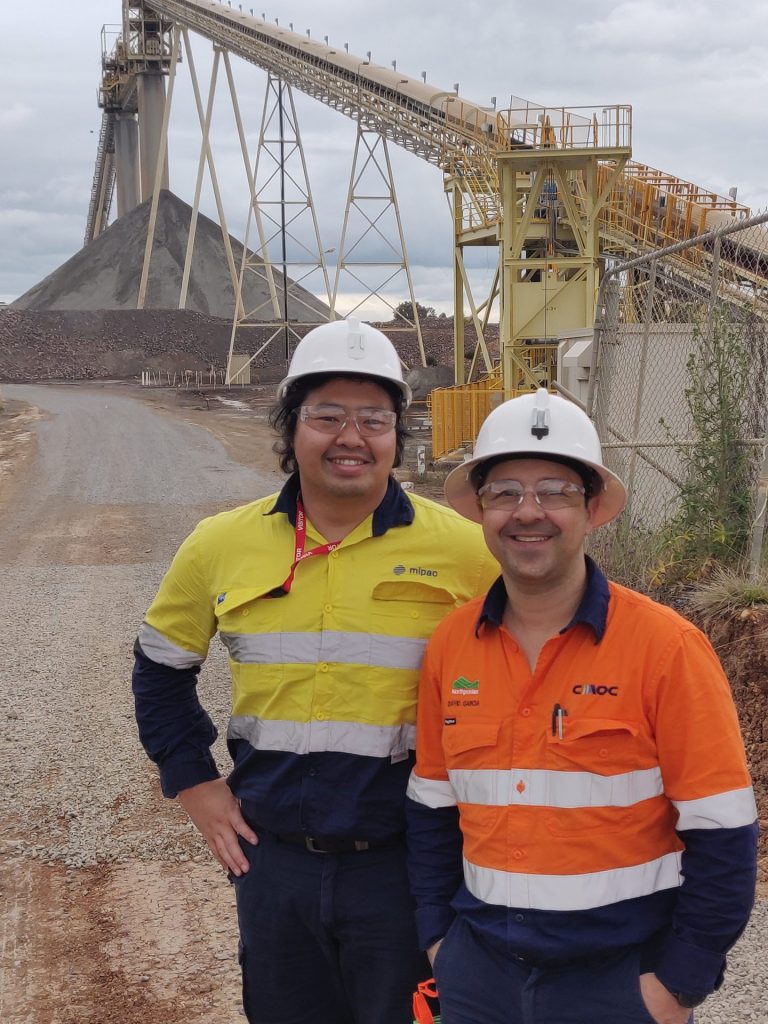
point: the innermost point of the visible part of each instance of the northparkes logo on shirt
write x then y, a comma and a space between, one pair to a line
468, 693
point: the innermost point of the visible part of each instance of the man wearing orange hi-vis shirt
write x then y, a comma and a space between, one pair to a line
581, 823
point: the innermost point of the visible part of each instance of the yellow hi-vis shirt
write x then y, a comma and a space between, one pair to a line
333, 665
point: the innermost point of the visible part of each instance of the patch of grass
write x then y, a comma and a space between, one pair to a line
628, 553
727, 592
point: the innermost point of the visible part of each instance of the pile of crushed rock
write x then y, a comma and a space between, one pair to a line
118, 344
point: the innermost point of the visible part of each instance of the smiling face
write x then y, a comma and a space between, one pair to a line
345, 467
537, 549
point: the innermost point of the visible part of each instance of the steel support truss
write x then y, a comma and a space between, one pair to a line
290, 255
372, 219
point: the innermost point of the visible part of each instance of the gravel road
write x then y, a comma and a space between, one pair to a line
114, 912
113, 904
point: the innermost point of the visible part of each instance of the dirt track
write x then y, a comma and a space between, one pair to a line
114, 912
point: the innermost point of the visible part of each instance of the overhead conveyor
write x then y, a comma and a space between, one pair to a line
555, 191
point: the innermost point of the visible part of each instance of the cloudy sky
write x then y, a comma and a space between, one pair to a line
695, 72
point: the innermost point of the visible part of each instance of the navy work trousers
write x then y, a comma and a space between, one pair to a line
478, 982
327, 938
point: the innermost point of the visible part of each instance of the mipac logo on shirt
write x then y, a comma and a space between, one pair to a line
414, 570
585, 689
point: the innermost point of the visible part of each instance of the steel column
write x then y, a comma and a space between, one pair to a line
127, 162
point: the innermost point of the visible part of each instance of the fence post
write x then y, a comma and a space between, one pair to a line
640, 392
758, 525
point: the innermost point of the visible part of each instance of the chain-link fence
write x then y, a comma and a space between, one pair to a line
679, 382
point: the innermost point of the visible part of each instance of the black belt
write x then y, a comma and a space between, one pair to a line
319, 844
322, 844
593, 960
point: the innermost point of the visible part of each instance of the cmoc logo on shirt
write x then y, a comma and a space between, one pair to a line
587, 689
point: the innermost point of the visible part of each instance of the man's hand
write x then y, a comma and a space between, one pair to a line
432, 952
660, 1002
216, 815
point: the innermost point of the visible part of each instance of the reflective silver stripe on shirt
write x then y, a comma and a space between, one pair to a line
543, 788
375, 649
320, 736
572, 891
724, 810
156, 647
430, 792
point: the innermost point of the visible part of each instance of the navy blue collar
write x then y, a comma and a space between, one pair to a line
592, 610
395, 509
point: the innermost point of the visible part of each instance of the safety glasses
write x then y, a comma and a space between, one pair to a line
508, 495
332, 419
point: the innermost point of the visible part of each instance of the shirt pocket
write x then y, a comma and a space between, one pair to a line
593, 777
469, 749
409, 607
251, 626
249, 609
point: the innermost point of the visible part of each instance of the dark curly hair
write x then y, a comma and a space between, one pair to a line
284, 415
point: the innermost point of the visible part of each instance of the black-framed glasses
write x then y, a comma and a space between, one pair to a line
332, 419
508, 495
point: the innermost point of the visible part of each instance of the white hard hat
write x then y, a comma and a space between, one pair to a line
537, 426
346, 347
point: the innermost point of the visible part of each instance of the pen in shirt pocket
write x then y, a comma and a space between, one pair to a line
558, 714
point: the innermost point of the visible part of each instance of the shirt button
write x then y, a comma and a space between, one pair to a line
327, 607
320, 716
334, 554
313, 772
519, 918
414, 615
518, 854
323, 667
525, 712
245, 611
603, 752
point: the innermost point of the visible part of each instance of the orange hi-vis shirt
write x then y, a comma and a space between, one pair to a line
575, 783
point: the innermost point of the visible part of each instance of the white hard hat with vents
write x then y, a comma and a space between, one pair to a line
537, 426
346, 347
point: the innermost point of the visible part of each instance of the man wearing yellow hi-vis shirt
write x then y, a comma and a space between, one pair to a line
324, 595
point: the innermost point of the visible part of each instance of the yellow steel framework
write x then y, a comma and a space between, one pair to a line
550, 168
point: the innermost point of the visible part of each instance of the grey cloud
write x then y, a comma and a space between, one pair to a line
694, 73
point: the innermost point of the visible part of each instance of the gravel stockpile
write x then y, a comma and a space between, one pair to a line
59, 344
106, 274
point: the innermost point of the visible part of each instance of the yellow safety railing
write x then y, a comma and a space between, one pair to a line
458, 412
658, 209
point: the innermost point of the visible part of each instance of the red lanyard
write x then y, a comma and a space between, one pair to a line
300, 553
